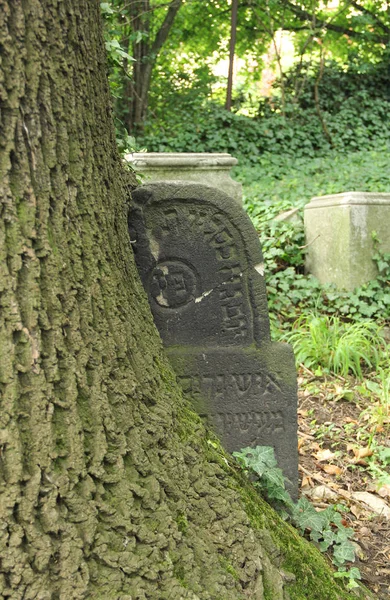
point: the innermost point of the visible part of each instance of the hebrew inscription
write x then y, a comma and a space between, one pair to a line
221, 250
259, 422
230, 385
198, 254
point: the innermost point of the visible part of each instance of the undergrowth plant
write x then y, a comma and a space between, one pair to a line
377, 388
324, 528
336, 346
185, 117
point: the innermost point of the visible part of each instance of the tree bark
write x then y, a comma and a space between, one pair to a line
109, 487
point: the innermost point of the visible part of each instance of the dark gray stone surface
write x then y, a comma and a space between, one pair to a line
201, 265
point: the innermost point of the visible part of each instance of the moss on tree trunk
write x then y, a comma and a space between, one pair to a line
109, 489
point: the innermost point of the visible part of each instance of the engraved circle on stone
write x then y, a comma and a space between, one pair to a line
173, 284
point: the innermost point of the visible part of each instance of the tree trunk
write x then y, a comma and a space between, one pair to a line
232, 47
145, 52
109, 489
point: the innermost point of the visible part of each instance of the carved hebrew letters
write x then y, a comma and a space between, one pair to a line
221, 248
231, 384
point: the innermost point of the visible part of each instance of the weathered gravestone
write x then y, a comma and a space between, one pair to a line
201, 265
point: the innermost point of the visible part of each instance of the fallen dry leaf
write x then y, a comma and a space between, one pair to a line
332, 469
384, 491
306, 482
375, 503
356, 510
378, 428
362, 452
321, 492
322, 455
360, 461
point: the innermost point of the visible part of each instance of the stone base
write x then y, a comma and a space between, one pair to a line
339, 230
248, 396
205, 168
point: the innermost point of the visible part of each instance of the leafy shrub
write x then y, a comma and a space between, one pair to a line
290, 294
354, 105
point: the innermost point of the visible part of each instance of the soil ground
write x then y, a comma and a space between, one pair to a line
341, 437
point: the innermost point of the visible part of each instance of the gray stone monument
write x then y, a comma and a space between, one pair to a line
338, 230
201, 265
207, 168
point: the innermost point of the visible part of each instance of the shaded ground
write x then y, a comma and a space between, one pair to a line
344, 444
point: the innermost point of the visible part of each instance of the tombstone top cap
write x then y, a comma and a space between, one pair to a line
349, 198
181, 159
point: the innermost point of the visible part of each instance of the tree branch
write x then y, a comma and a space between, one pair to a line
164, 30
304, 15
368, 12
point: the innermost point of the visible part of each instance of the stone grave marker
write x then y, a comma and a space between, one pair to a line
339, 233
200, 262
207, 168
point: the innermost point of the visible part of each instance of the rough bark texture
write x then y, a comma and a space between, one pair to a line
109, 489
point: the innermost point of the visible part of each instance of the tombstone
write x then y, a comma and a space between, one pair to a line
200, 262
207, 168
339, 233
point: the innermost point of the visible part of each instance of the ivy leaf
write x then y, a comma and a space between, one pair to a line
308, 518
275, 477
343, 553
258, 459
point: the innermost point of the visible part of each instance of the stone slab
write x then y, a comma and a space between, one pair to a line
200, 262
338, 230
206, 168
245, 396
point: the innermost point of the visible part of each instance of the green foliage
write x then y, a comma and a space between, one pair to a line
336, 346
379, 462
352, 575
324, 528
261, 461
351, 93
203, 127
278, 181
353, 105
291, 293
343, 109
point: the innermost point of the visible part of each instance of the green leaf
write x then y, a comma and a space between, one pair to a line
308, 518
343, 553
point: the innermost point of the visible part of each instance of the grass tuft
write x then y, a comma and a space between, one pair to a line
338, 347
